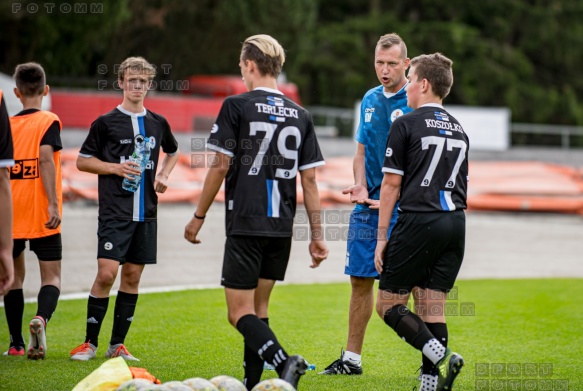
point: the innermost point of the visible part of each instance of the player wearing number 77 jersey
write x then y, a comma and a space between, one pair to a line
426, 163
262, 141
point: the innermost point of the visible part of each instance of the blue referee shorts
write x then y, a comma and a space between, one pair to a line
362, 242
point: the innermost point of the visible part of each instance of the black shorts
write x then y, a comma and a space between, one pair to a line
425, 250
249, 258
127, 241
49, 248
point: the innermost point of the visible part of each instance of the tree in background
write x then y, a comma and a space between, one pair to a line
68, 38
204, 36
524, 54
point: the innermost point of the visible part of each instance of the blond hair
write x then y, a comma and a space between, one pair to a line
388, 40
136, 65
266, 52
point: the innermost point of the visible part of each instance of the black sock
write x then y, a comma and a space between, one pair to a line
439, 331
259, 337
14, 309
96, 309
48, 297
125, 306
408, 326
253, 364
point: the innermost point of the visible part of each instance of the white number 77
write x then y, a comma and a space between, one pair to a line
439, 143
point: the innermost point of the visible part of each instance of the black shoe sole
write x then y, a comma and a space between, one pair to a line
455, 366
332, 369
294, 368
340, 373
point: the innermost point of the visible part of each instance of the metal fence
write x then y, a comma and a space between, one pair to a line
333, 121
555, 135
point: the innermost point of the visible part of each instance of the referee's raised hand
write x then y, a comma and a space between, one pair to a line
358, 194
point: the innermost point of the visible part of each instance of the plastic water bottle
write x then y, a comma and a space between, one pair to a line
141, 155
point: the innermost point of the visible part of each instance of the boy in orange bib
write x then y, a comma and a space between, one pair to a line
37, 201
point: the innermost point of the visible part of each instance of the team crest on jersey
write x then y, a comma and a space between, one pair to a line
395, 114
142, 142
441, 116
215, 128
368, 114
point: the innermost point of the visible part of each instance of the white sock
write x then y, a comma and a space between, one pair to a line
352, 357
428, 383
434, 350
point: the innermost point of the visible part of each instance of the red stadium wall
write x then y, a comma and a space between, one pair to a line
185, 114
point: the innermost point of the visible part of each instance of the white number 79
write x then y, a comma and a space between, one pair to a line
291, 154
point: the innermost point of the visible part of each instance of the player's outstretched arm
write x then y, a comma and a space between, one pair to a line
358, 192
318, 248
212, 183
390, 189
94, 165
48, 177
168, 163
6, 262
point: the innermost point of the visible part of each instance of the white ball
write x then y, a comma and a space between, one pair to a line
273, 385
200, 384
228, 383
136, 385
176, 385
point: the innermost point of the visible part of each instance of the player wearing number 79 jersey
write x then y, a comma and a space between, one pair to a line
426, 168
263, 142
270, 140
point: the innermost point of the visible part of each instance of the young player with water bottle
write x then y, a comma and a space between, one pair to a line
122, 148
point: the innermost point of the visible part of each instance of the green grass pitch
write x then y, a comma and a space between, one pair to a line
509, 331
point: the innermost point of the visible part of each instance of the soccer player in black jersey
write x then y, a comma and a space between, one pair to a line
262, 140
426, 163
6, 161
127, 231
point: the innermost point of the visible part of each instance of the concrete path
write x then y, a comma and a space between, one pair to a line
499, 245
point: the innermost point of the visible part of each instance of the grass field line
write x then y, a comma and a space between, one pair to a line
520, 330
159, 289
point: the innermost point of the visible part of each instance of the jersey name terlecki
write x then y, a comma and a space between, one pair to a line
277, 110
270, 139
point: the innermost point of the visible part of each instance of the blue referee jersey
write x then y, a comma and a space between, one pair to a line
377, 113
